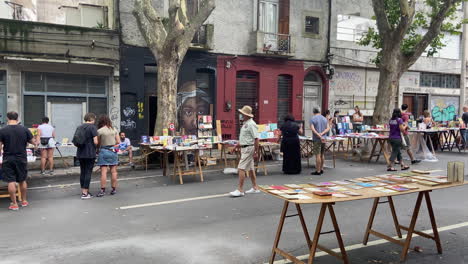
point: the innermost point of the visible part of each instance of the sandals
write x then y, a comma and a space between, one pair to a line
405, 168
391, 169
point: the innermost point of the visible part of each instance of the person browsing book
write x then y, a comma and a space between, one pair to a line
248, 145
405, 116
320, 127
397, 127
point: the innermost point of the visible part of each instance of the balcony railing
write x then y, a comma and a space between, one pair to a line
276, 43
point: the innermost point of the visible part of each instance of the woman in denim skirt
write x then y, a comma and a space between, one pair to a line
108, 141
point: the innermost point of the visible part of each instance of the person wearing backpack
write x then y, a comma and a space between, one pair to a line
85, 139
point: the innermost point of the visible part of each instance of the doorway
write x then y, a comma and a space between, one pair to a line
312, 98
246, 93
152, 112
417, 103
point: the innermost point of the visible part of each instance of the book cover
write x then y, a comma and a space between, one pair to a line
293, 186
311, 190
322, 193
352, 193
278, 187
276, 192
428, 183
324, 184
299, 191
290, 197
409, 186
341, 182
355, 187
305, 185
378, 184
289, 191
365, 184
337, 188
340, 195
397, 188
265, 187
384, 190
301, 196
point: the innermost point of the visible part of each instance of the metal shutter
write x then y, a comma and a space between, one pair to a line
246, 93
284, 97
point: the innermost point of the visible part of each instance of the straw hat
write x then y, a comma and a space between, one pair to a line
246, 110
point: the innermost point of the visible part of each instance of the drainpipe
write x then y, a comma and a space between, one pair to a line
463, 60
329, 30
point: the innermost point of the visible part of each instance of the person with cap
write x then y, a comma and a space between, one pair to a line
248, 144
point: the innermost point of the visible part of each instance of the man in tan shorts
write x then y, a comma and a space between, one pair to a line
248, 144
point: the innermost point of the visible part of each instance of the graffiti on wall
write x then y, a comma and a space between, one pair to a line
348, 82
444, 108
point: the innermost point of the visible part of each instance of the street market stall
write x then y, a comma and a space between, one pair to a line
328, 193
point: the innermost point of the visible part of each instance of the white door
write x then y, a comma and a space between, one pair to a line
312, 99
66, 117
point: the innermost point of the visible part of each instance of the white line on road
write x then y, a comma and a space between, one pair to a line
373, 243
172, 201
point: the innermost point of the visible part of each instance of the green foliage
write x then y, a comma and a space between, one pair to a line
415, 32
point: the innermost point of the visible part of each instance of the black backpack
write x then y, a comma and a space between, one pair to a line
79, 139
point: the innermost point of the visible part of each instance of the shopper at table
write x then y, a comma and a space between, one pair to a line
108, 143
465, 121
336, 120
290, 145
248, 145
85, 139
427, 119
46, 135
320, 127
405, 115
397, 127
125, 148
14, 139
329, 118
357, 120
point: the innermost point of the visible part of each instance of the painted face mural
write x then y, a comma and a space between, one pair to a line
191, 102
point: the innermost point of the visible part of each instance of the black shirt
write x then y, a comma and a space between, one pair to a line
88, 150
14, 139
465, 118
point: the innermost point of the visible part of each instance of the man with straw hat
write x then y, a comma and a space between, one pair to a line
248, 144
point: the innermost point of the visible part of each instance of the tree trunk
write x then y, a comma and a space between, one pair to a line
168, 70
387, 90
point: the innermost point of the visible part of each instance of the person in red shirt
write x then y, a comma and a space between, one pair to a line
405, 115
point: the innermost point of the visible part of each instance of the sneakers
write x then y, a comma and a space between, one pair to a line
86, 196
101, 193
13, 207
252, 190
415, 161
43, 173
24, 203
317, 173
237, 193
51, 173
113, 192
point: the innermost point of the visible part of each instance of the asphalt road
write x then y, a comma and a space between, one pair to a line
180, 227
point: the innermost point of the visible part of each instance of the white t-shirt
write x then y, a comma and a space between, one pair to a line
46, 130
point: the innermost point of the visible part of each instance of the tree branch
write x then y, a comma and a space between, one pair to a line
408, 10
150, 24
432, 32
183, 17
382, 20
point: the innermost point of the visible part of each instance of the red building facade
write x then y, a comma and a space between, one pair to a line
273, 87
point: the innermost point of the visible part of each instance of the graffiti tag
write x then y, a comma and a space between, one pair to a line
128, 124
440, 114
129, 111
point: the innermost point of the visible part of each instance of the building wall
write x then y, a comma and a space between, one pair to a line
234, 24
356, 78
268, 71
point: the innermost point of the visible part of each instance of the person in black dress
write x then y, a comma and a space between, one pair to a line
290, 146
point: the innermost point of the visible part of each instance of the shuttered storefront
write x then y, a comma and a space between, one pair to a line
284, 97
246, 93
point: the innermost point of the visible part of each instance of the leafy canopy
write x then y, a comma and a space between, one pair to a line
414, 33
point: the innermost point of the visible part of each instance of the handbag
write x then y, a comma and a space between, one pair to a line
45, 141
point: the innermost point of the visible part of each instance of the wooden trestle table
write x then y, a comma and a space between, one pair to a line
367, 193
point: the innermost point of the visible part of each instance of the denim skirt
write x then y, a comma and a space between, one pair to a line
107, 157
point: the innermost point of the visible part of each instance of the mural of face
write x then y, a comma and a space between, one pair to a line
192, 102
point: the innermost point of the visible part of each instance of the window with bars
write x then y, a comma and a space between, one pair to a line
284, 97
438, 80
312, 25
